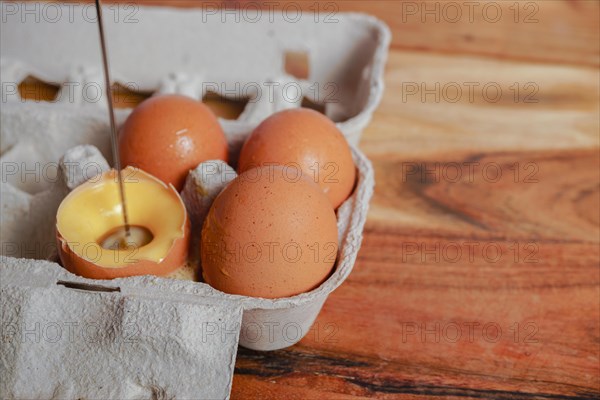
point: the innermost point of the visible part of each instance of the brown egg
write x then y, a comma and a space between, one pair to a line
308, 140
270, 233
168, 135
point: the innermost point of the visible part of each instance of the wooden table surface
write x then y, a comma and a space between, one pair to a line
470, 286
479, 273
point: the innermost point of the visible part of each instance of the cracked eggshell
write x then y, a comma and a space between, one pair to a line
77, 237
168, 135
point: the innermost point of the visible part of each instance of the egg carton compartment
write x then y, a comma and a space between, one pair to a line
273, 61
29, 218
41, 293
35, 135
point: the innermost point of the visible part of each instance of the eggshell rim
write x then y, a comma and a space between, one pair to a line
176, 255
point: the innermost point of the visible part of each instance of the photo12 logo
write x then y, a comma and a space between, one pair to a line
68, 332
469, 252
469, 332
471, 92
53, 12
470, 12
72, 92
270, 11
469, 172
53, 172
255, 252
269, 331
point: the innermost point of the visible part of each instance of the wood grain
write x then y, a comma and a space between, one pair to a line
397, 318
472, 285
549, 31
528, 241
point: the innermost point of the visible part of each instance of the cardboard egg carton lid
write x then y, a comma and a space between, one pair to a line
195, 51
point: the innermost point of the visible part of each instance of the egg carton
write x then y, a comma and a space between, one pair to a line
47, 312
206, 325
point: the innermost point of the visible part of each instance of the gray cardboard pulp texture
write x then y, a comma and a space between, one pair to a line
154, 337
198, 51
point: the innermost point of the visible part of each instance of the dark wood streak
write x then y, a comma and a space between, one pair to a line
419, 186
292, 358
285, 362
453, 391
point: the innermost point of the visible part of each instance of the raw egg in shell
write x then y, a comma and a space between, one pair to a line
168, 135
